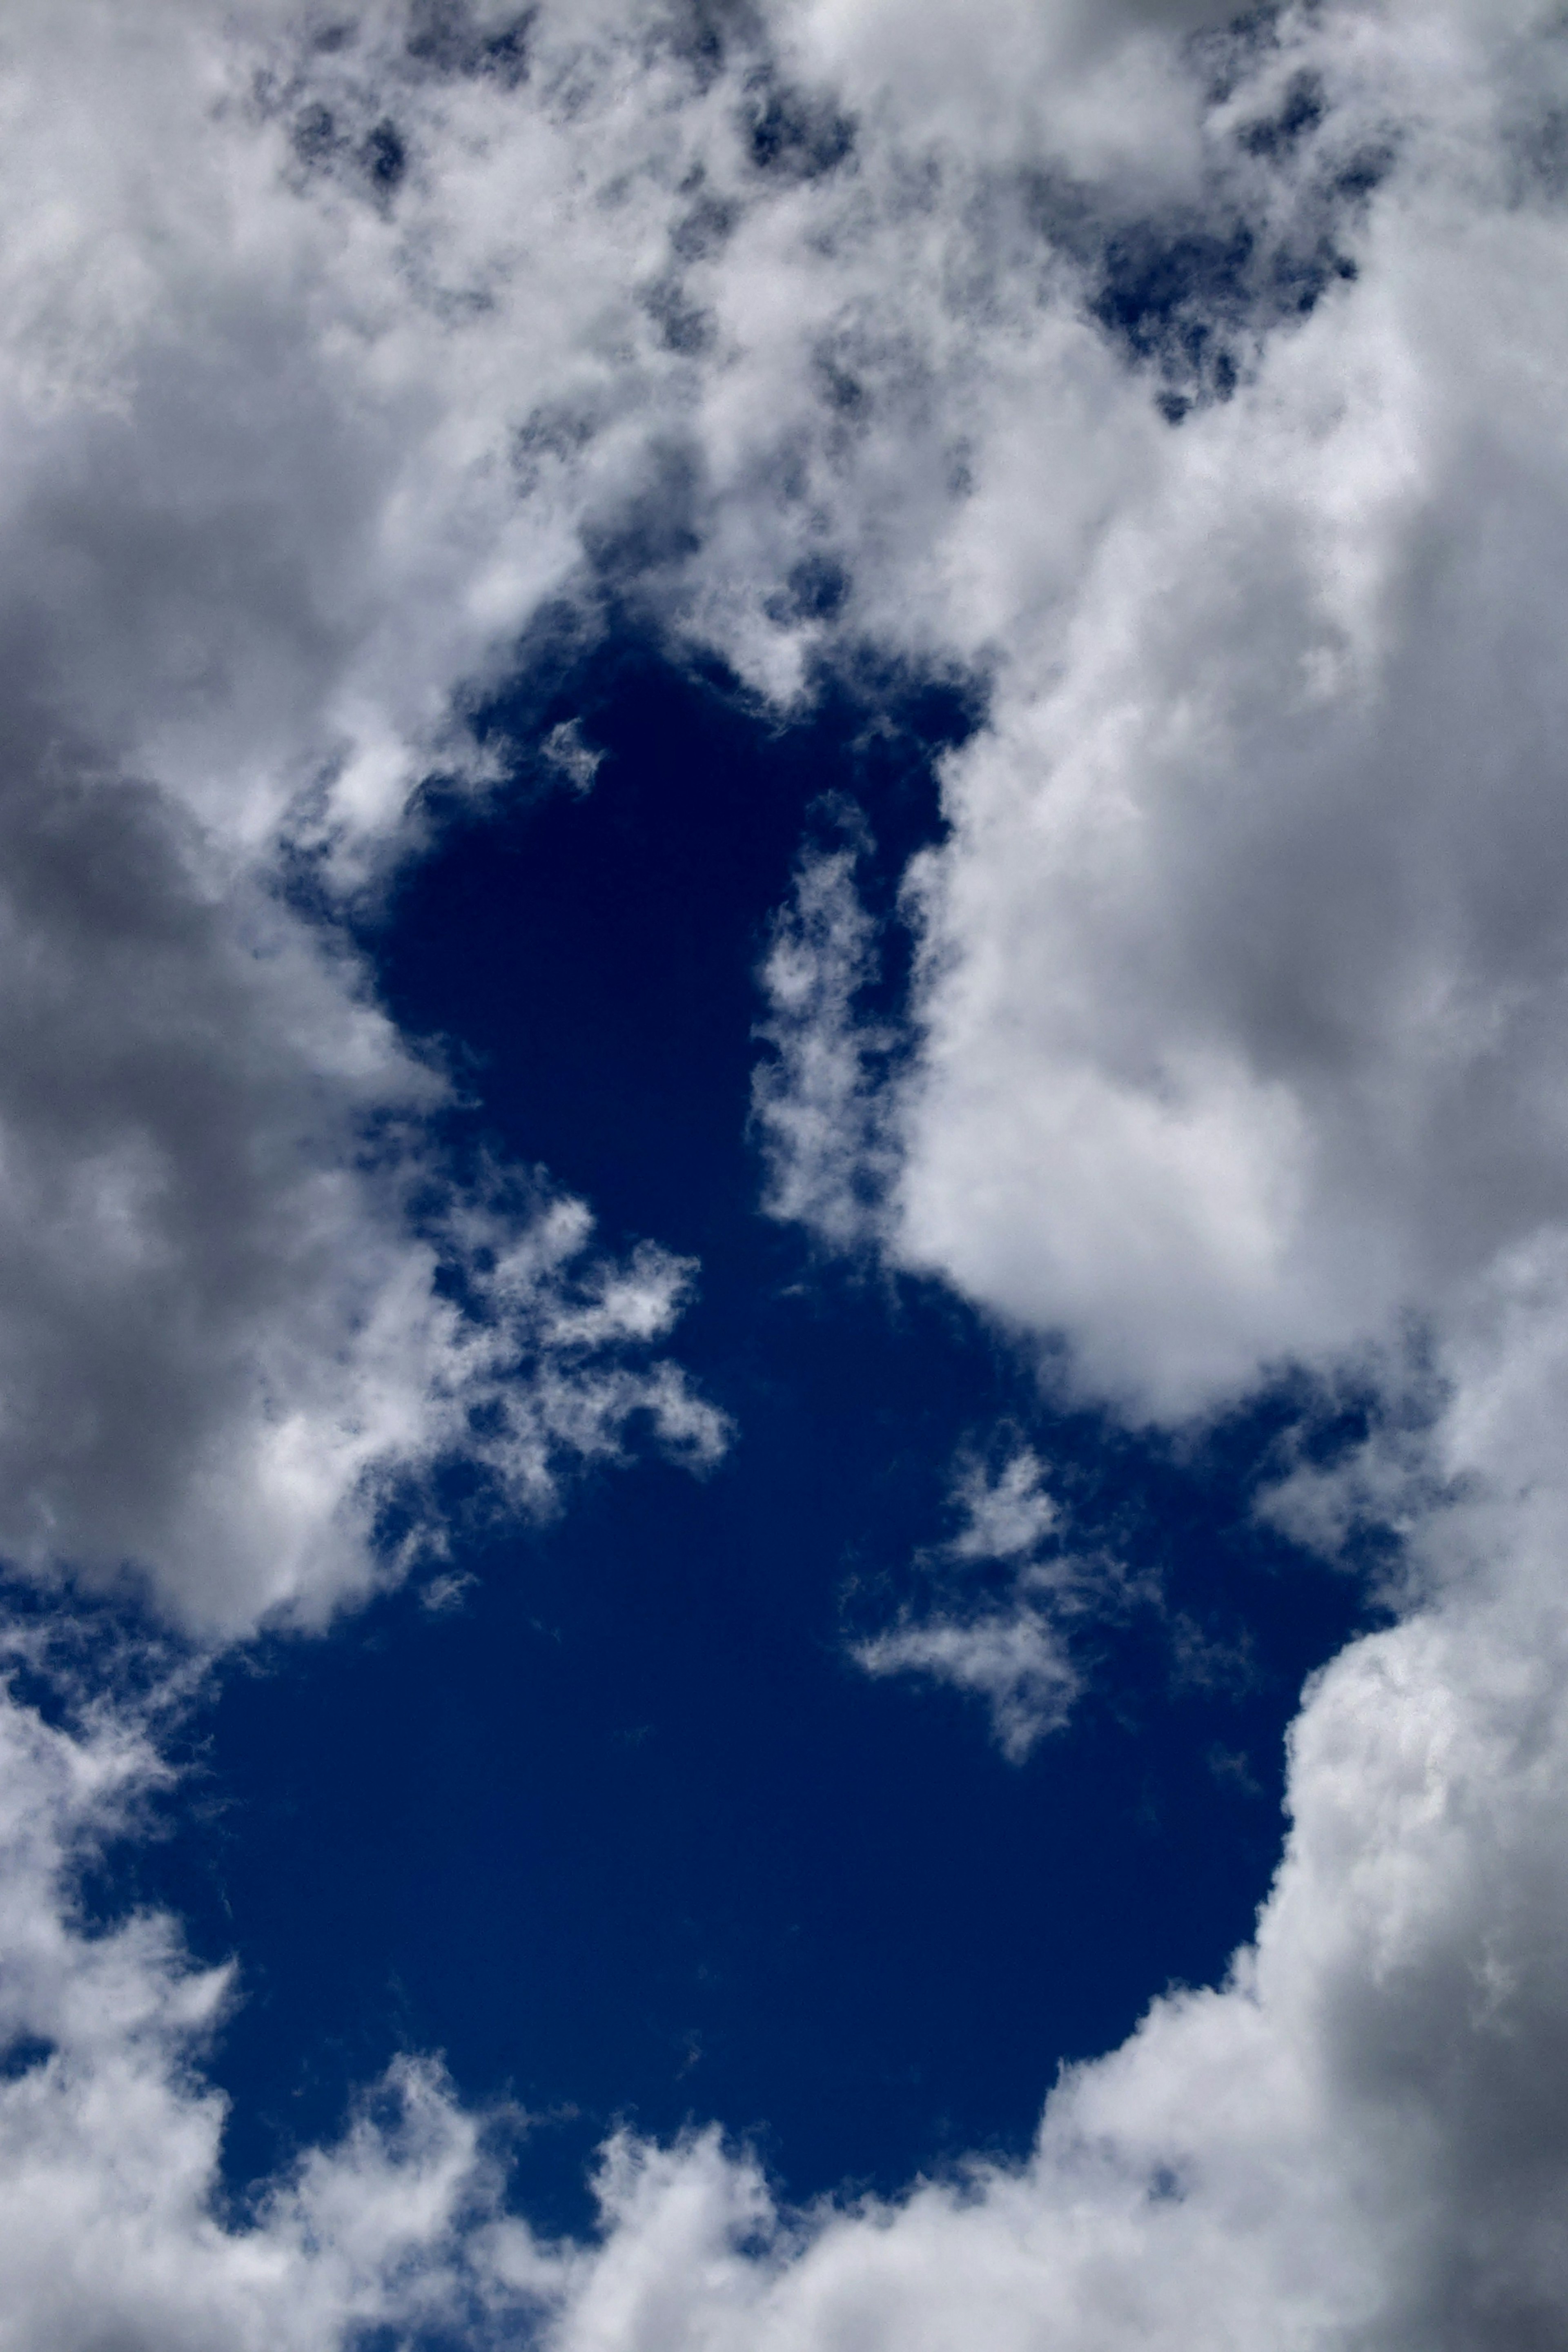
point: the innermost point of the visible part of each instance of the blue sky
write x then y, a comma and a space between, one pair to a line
783, 1265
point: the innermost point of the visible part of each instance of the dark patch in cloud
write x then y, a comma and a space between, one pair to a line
705, 229
1170, 298
383, 158
1190, 293
654, 532
378, 160
701, 34
1191, 302
792, 134
314, 136
555, 431
817, 590
684, 326
444, 35
1302, 111
841, 388
23, 2056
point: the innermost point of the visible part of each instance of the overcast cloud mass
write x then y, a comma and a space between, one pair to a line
1198, 390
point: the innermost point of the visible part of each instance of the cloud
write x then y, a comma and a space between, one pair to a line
1242, 961
1003, 1516
1235, 1022
1012, 1657
225, 1345
566, 751
260, 542
1006, 1641
818, 1104
1100, 88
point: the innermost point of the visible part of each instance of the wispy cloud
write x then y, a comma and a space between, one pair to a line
819, 1102
1008, 1641
1013, 1658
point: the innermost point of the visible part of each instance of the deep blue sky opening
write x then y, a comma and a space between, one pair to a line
626, 1836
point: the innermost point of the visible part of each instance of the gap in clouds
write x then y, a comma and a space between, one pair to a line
620, 1829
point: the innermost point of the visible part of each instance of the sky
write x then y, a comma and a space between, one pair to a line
783, 1243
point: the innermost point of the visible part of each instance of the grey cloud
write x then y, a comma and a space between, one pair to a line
222, 1345
255, 549
1290, 947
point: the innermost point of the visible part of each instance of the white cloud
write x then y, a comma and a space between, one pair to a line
818, 1104
1239, 1025
1006, 1643
1003, 1516
1099, 89
1011, 1656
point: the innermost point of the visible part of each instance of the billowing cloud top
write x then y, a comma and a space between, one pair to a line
1195, 391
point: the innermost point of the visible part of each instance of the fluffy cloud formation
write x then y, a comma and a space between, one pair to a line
1250, 931
1202, 388
256, 539
1236, 1023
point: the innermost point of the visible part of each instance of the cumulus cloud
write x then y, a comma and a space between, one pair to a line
1242, 961
1271, 998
